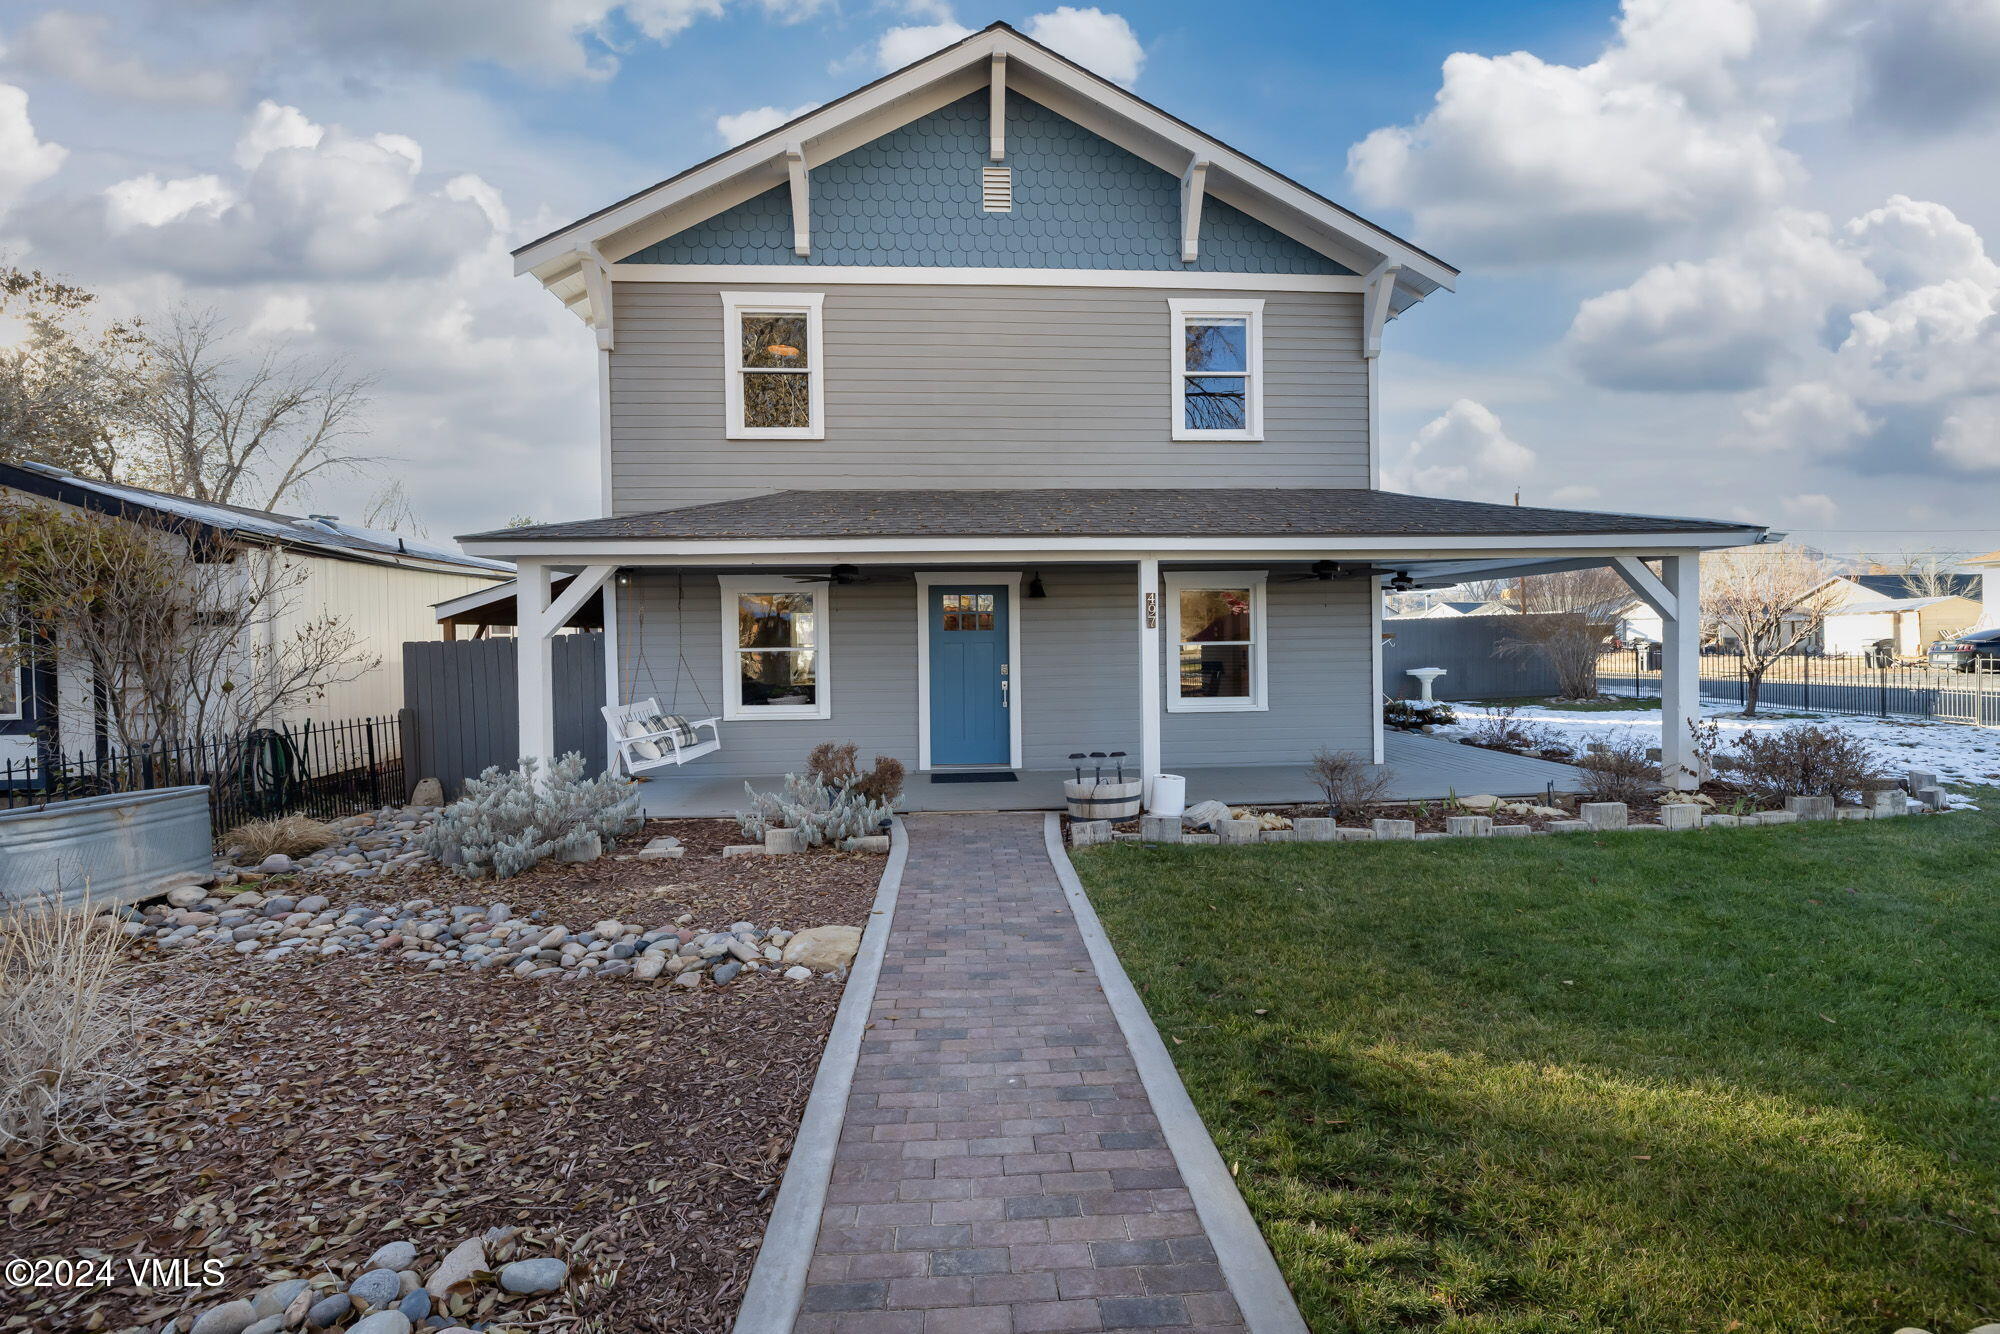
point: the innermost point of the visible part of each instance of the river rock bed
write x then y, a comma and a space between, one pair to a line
373, 844
425, 934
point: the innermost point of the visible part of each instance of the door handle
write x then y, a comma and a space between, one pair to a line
1004, 683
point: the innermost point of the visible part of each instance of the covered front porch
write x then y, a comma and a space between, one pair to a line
1420, 768
1225, 635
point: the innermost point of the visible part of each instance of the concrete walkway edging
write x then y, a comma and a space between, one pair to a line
1254, 1279
777, 1284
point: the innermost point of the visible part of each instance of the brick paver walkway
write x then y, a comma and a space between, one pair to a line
1000, 1170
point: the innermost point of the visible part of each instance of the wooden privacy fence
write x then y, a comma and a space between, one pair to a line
1467, 647
461, 715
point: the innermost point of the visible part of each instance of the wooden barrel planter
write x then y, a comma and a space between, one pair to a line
1103, 799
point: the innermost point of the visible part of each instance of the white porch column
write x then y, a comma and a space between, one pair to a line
1680, 671
612, 691
533, 674
1149, 672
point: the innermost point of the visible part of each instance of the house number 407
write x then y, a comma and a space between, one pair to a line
1152, 611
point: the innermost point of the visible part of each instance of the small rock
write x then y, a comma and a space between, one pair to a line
726, 972
228, 1318
276, 864
382, 1322
824, 947
648, 967
456, 1269
428, 792
377, 1288
273, 1299
799, 973
186, 896
542, 1274
415, 1306
270, 1324
329, 1311
397, 1255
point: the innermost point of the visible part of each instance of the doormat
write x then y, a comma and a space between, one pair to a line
998, 776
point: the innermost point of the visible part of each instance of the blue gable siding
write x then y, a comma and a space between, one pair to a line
912, 197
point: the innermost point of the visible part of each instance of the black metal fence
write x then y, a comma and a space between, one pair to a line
319, 769
1862, 684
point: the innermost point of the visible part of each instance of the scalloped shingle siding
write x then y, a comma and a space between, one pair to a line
913, 197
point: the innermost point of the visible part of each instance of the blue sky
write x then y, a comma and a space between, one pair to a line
1721, 256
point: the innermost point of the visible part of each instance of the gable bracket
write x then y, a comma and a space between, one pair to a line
997, 110
795, 171
1652, 590
597, 293
1194, 187
1375, 295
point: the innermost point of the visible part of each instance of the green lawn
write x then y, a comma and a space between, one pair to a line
1733, 1080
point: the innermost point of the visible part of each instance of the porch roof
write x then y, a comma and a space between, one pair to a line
1119, 512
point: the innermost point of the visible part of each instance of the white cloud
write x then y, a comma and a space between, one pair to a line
25, 160
1814, 416
1520, 160
1100, 42
912, 42
1464, 451
148, 201
1722, 323
71, 46
1970, 436
1812, 507
744, 126
271, 128
1928, 65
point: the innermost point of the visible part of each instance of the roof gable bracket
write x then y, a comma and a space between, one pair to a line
1652, 590
997, 110
1194, 185
1379, 287
795, 172
597, 292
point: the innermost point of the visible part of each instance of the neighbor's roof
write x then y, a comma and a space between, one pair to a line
1881, 605
322, 533
1893, 586
1120, 512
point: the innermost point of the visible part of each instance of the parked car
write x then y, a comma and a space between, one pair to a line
1971, 651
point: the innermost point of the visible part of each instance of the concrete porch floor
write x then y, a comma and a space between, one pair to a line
1421, 768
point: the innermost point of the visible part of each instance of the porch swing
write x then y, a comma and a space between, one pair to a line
648, 736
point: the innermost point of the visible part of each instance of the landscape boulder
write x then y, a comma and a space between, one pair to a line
822, 948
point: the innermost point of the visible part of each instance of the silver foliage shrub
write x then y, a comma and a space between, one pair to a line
823, 812
505, 822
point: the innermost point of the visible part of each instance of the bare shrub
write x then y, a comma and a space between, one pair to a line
67, 1038
1619, 772
1804, 760
1347, 781
833, 764
1504, 729
294, 835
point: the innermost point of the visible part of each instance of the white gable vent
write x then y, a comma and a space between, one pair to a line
996, 189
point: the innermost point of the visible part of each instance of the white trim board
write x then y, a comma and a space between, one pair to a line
1008, 579
793, 275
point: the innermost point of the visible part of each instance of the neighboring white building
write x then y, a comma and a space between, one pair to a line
380, 585
1443, 611
1988, 574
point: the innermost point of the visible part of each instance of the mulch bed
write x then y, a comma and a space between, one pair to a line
300, 1114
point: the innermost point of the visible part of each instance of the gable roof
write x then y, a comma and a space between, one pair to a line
1892, 587
618, 230
321, 534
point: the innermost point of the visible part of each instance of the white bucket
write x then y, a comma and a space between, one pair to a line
1169, 795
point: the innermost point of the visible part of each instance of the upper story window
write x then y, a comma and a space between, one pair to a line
1218, 369
771, 347
1217, 621
774, 648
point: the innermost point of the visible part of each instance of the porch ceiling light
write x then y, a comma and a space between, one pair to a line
1402, 583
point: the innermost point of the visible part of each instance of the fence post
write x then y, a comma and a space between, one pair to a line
374, 774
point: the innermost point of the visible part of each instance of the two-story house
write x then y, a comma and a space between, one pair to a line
990, 414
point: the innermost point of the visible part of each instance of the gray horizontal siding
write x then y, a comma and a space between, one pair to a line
1077, 678
978, 387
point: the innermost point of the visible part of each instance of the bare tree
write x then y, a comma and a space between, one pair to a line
252, 431
186, 636
68, 386
1768, 600
1928, 574
391, 510
1566, 618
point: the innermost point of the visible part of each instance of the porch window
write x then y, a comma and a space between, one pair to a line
1217, 621
1218, 369
774, 649
771, 349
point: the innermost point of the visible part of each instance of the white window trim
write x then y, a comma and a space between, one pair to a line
733, 708
1178, 581
734, 305
1251, 311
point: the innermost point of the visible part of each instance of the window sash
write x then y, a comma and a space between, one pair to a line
1256, 647
734, 588
1186, 312
737, 307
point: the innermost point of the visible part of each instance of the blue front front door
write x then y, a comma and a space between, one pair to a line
971, 690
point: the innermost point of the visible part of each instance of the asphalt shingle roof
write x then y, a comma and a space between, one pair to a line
1117, 512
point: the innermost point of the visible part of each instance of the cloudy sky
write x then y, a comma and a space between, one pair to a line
1722, 257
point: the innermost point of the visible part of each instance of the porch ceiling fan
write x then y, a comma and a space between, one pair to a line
839, 574
1322, 571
